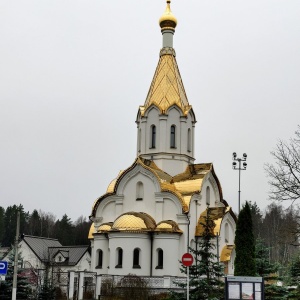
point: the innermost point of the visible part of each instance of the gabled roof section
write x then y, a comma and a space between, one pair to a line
216, 216
73, 253
183, 185
40, 245
167, 87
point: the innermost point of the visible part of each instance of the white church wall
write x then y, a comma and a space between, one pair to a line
169, 243
101, 242
128, 242
227, 231
170, 208
107, 210
142, 204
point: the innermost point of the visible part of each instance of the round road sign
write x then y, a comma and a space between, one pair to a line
187, 259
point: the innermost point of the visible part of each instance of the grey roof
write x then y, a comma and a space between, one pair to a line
40, 245
75, 253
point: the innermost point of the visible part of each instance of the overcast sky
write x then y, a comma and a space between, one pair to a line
73, 74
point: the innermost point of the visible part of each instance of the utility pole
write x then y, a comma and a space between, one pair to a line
14, 289
239, 168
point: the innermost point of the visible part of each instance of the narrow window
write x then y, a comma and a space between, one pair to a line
208, 196
139, 140
139, 191
136, 258
226, 233
119, 258
189, 141
153, 136
160, 259
172, 144
100, 259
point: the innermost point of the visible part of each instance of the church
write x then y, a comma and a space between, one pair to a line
152, 212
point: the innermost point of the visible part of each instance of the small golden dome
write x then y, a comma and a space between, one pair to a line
105, 227
134, 221
168, 20
168, 226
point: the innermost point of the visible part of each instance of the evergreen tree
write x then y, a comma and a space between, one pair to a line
257, 220
294, 278
2, 215
206, 273
244, 264
65, 230
47, 291
23, 286
34, 224
264, 267
10, 223
268, 271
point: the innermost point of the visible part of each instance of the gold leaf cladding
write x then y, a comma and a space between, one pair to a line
226, 253
167, 88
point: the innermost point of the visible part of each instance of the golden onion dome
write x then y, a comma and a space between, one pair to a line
134, 221
168, 20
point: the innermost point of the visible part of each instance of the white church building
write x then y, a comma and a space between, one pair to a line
152, 212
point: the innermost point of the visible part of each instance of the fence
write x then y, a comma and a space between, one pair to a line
88, 285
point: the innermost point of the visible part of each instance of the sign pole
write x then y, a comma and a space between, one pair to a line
14, 289
187, 261
188, 284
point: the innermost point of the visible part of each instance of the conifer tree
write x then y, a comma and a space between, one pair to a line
23, 286
47, 291
294, 278
268, 271
244, 264
206, 273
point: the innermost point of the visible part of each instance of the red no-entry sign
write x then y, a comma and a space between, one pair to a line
187, 259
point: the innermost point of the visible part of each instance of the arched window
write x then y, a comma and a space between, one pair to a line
136, 259
119, 258
100, 259
139, 191
139, 140
189, 141
160, 259
173, 133
208, 196
226, 233
153, 136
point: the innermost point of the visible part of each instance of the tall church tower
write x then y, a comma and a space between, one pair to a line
166, 121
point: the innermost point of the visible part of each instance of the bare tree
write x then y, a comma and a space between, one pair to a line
285, 173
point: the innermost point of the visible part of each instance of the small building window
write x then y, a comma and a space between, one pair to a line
208, 195
100, 259
119, 258
139, 140
189, 141
173, 133
136, 259
160, 259
139, 191
226, 233
153, 136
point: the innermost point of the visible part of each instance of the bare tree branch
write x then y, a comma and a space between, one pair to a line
284, 175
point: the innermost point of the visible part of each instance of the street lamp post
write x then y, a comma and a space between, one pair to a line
240, 167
